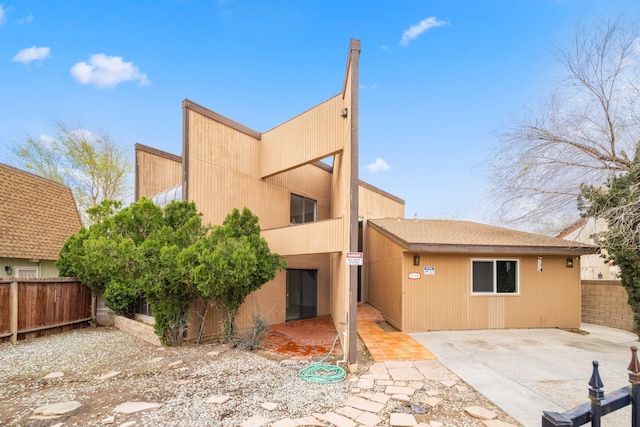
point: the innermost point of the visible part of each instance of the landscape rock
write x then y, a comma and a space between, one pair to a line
57, 374
402, 420
132, 407
218, 400
480, 412
269, 406
58, 409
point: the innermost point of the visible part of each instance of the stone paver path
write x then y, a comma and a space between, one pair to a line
391, 393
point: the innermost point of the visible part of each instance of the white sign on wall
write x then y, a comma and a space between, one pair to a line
354, 258
429, 271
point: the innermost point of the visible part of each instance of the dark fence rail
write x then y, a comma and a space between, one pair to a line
35, 307
600, 403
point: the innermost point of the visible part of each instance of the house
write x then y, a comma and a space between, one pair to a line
311, 212
446, 275
593, 267
36, 217
301, 179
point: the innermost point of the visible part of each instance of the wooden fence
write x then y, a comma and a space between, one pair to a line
36, 307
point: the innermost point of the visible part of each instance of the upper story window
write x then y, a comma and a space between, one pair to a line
490, 276
302, 209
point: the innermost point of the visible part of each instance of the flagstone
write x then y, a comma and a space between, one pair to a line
364, 404
57, 374
256, 421
431, 401
399, 390
287, 422
350, 412
480, 412
377, 397
337, 420
378, 368
405, 374
109, 375
60, 408
132, 407
497, 423
402, 420
219, 400
308, 421
368, 419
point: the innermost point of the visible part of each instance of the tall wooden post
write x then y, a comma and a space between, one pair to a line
13, 320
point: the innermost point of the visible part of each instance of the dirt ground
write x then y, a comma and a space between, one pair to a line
181, 378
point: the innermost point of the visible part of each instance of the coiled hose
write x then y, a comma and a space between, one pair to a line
323, 373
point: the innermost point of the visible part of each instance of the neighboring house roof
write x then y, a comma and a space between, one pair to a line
36, 215
573, 227
471, 237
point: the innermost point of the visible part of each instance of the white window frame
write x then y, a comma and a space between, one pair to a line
495, 276
16, 270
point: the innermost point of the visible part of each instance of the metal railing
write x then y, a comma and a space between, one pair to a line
600, 403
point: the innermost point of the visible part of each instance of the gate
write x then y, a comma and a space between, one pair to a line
602, 404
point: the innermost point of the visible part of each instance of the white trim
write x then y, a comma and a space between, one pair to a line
495, 277
16, 270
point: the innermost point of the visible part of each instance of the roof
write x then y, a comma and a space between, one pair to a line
471, 237
36, 215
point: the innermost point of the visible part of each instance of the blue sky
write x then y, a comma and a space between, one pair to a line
438, 79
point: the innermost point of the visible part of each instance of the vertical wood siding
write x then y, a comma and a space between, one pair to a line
156, 173
315, 237
384, 260
372, 205
313, 135
223, 174
443, 301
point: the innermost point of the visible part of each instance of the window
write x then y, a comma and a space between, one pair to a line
494, 276
302, 209
26, 272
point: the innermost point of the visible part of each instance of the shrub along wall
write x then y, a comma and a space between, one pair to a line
604, 302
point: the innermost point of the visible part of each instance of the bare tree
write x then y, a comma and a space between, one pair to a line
587, 131
91, 164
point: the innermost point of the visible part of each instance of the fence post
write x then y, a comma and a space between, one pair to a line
634, 379
13, 303
596, 395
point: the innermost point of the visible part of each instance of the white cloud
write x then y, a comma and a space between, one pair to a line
3, 15
27, 20
107, 71
369, 87
420, 28
378, 165
32, 54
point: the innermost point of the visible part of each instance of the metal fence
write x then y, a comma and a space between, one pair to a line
600, 403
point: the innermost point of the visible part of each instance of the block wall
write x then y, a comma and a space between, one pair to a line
137, 329
604, 302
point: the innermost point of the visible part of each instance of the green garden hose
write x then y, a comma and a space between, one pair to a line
323, 373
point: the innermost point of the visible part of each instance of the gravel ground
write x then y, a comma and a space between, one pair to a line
181, 381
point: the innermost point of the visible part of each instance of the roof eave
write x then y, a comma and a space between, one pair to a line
495, 249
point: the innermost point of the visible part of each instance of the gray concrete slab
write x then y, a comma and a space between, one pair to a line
527, 371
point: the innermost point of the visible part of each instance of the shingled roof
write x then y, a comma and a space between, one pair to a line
471, 237
36, 215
